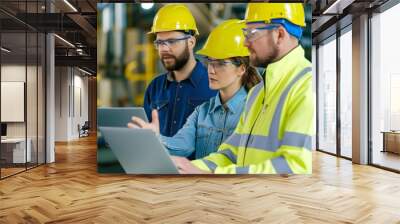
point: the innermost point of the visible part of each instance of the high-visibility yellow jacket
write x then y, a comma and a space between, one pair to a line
275, 130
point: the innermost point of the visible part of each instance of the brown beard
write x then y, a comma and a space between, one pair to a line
179, 61
270, 58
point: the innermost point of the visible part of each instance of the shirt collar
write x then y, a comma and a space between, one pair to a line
234, 104
194, 78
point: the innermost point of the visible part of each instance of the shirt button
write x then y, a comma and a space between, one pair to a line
174, 122
180, 86
178, 99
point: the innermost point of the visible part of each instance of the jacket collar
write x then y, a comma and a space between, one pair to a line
277, 74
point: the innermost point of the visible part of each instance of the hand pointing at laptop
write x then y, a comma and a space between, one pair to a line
183, 164
139, 123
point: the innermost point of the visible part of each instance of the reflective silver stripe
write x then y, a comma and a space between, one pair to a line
271, 144
211, 165
242, 170
234, 139
237, 139
281, 166
253, 96
297, 140
255, 141
263, 142
274, 128
229, 154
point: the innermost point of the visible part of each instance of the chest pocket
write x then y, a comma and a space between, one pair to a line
208, 140
203, 132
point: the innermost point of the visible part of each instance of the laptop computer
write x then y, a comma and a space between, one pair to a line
118, 116
139, 151
107, 162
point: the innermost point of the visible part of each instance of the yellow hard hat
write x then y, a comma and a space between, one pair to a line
293, 12
174, 17
226, 41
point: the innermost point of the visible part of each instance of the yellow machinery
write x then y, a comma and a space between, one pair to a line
134, 77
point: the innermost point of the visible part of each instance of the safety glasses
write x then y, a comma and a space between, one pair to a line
169, 42
218, 64
255, 33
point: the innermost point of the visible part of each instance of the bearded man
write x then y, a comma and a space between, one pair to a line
175, 94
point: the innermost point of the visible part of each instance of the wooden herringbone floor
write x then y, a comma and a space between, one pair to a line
70, 191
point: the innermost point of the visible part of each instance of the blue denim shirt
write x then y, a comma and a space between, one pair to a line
207, 127
175, 101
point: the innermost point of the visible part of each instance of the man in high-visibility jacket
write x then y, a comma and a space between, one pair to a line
275, 131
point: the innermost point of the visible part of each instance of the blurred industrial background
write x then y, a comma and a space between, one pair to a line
127, 60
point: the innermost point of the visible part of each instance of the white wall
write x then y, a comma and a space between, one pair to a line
71, 93
16, 73
33, 127
12, 101
80, 100
13, 73
62, 81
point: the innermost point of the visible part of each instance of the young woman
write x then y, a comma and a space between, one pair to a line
212, 122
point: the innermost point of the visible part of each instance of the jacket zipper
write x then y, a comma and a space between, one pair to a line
264, 107
223, 130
